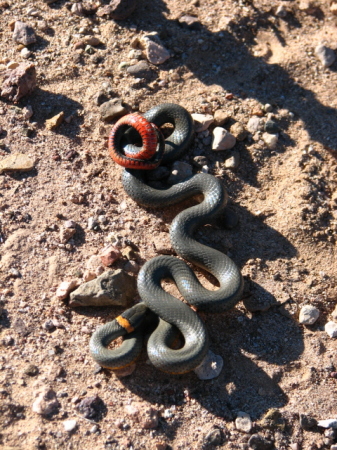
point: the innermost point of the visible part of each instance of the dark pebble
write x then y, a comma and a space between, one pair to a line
307, 422
214, 437
258, 442
31, 370
271, 127
141, 70
92, 407
199, 161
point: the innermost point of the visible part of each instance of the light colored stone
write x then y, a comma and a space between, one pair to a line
243, 422
12, 65
66, 234
222, 139
308, 315
25, 53
46, 403
27, 112
55, 121
65, 288
270, 140
210, 367
109, 255
155, 52
70, 425
113, 287
202, 121
23, 33
221, 117
112, 109
89, 275
331, 329
233, 161
281, 11
328, 423
254, 124
325, 54
17, 162
91, 40
239, 131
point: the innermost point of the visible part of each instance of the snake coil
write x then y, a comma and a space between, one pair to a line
173, 314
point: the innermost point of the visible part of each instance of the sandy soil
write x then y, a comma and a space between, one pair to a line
285, 242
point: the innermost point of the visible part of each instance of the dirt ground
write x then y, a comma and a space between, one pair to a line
241, 56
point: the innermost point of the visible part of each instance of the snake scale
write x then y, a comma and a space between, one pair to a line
174, 316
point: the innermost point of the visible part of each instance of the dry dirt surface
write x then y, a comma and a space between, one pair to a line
238, 57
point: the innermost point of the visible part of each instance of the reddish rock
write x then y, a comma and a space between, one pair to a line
109, 255
121, 9
19, 82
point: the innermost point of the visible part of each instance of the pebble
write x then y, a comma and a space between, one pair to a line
66, 234
200, 161
180, 171
308, 315
239, 131
12, 65
271, 127
23, 33
210, 367
129, 253
113, 287
331, 329
27, 112
25, 53
91, 407
93, 41
328, 423
325, 54
243, 422
214, 437
270, 140
125, 371
254, 124
233, 161
307, 422
221, 117
144, 413
121, 9
131, 266
94, 264
109, 255
222, 139
46, 403
334, 314
155, 52
31, 370
70, 425
49, 325
18, 162
19, 82
258, 442
141, 70
65, 288
112, 109
14, 272
202, 121
190, 22
55, 121
333, 7
92, 223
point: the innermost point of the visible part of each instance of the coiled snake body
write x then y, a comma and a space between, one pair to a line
173, 314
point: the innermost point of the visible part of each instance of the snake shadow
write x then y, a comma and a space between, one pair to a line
226, 58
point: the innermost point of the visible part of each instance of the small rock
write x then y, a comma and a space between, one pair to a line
113, 109
333, 7
109, 255
271, 127
23, 33
202, 121
66, 234
15, 273
25, 53
214, 437
233, 161
210, 367
49, 325
307, 422
273, 419
92, 223
19, 81
91, 407
129, 253
221, 117
141, 70
308, 315
70, 425
17, 162
190, 22
155, 52
77, 9
180, 171
20, 327
65, 288
149, 417
281, 11
199, 161
222, 139
325, 54
254, 124
131, 266
94, 264
243, 422
92, 41
258, 442
27, 112
110, 288
328, 423
331, 329
334, 314
121, 9
162, 244
270, 140
268, 107
239, 131
31, 370
55, 121
46, 403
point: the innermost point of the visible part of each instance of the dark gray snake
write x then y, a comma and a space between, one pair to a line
173, 314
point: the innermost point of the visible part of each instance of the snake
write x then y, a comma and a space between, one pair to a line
179, 341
